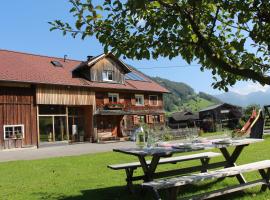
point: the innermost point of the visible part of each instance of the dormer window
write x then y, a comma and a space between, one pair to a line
107, 75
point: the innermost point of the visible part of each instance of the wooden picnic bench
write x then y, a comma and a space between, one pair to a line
173, 184
130, 167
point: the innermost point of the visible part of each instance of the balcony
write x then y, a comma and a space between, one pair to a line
131, 109
114, 106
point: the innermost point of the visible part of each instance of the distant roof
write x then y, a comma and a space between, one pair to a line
38, 69
216, 106
185, 115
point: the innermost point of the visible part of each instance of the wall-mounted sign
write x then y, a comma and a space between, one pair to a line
224, 111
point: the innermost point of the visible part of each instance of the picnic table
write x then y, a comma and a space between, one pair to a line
156, 153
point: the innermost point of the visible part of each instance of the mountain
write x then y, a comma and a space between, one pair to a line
261, 98
183, 97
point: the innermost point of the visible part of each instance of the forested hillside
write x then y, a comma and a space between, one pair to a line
183, 97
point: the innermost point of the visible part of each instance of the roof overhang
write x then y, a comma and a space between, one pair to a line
93, 61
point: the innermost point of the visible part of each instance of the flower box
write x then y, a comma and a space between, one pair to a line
115, 106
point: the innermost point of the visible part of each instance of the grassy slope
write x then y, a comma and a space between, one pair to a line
87, 177
197, 104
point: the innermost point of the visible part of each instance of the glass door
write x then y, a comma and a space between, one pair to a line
46, 128
60, 128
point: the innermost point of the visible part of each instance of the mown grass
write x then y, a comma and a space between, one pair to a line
87, 177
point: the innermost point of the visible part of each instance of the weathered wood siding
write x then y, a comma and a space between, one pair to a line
106, 64
17, 106
64, 96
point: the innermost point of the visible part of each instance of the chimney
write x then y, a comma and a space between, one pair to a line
65, 57
89, 58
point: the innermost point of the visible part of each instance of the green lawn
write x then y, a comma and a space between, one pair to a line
87, 177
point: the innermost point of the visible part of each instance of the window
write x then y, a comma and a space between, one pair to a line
113, 97
156, 119
141, 118
107, 75
139, 99
56, 63
13, 131
153, 100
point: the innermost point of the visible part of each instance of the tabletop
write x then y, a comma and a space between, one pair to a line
170, 149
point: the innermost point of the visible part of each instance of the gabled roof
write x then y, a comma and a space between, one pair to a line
218, 105
94, 60
37, 69
185, 115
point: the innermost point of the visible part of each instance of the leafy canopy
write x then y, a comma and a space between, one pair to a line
229, 37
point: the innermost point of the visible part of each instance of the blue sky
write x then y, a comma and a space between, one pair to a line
24, 28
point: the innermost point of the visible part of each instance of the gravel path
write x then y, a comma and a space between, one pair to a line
60, 150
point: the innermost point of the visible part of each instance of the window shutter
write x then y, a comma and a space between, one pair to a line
133, 101
104, 75
150, 119
135, 119
146, 119
161, 118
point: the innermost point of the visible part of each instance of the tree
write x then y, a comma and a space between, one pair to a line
249, 109
229, 37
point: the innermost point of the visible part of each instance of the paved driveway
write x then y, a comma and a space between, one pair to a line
60, 150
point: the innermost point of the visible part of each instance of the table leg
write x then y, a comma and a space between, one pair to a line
150, 169
205, 162
266, 176
129, 173
231, 159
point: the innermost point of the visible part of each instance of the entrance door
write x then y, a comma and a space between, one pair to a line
60, 128
52, 128
46, 128
114, 125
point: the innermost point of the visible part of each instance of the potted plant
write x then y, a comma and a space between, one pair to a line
115, 105
18, 140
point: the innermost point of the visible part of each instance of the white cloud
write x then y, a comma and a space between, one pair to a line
249, 87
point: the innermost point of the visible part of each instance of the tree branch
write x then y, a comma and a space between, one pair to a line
237, 70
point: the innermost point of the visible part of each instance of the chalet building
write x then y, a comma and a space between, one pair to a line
224, 114
48, 99
184, 119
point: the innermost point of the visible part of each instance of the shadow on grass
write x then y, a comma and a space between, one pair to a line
121, 193
110, 193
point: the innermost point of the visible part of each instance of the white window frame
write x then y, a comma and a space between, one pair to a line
13, 126
105, 75
113, 94
150, 100
139, 95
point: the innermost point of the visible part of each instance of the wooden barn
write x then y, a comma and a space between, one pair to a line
184, 119
48, 100
225, 115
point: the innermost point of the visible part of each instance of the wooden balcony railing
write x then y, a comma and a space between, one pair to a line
127, 107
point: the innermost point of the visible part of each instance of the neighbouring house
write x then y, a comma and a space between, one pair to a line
184, 119
49, 99
224, 115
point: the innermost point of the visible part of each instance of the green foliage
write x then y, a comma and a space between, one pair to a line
182, 90
197, 104
209, 97
230, 38
183, 97
249, 109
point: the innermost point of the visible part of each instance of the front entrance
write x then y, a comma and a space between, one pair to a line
52, 123
62, 123
109, 125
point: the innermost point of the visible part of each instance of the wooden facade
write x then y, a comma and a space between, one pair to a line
128, 116
58, 95
17, 106
73, 100
224, 114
